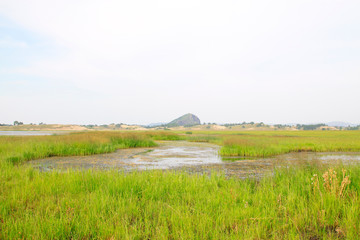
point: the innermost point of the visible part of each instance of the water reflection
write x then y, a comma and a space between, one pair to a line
25, 133
192, 157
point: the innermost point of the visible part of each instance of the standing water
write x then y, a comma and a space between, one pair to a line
25, 133
191, 157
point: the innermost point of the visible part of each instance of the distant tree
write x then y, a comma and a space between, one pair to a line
260, 124
353, 128
310, 126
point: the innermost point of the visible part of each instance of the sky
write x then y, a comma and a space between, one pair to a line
140, 62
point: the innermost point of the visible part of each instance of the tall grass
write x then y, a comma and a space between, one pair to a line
166, 136
169, 205
270, 143
17, 149
304, 203
264, 144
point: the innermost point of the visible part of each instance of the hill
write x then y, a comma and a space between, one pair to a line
340, 124
185, 120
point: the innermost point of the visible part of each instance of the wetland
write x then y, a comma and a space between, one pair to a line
193, 157
172, 185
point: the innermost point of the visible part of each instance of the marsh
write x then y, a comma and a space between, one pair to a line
194, 157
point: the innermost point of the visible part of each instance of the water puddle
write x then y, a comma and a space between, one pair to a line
191, 157
26, 133
166, 155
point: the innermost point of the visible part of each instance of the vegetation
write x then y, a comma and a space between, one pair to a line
270, 143
282, 126
254, 144
185, 120
353, 128
310, 126
308, 202
17, 149
274, 144
18, 123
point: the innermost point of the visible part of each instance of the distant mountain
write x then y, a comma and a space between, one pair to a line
185, 120
156, 124
340, 124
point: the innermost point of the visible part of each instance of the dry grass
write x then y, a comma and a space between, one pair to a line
332, 184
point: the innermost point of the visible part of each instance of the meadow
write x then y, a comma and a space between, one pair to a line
308, 202
271, 143
17, 149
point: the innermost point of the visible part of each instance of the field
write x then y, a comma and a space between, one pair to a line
16, 149
270, 143
308, 202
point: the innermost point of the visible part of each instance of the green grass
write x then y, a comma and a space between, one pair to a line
169, 205
17, 149
253, 144
202, 138
177, 205
164, 136
271, 143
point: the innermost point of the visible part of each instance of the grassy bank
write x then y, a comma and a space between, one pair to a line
270, 143
16, 149
292, 204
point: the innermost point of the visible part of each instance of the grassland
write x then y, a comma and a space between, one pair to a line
17, 149
270, 143
309, 202
168, 205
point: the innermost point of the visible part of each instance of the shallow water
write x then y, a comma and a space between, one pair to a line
166, 155
25, 133
191, 157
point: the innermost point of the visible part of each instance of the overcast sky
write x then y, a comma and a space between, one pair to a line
151, 61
